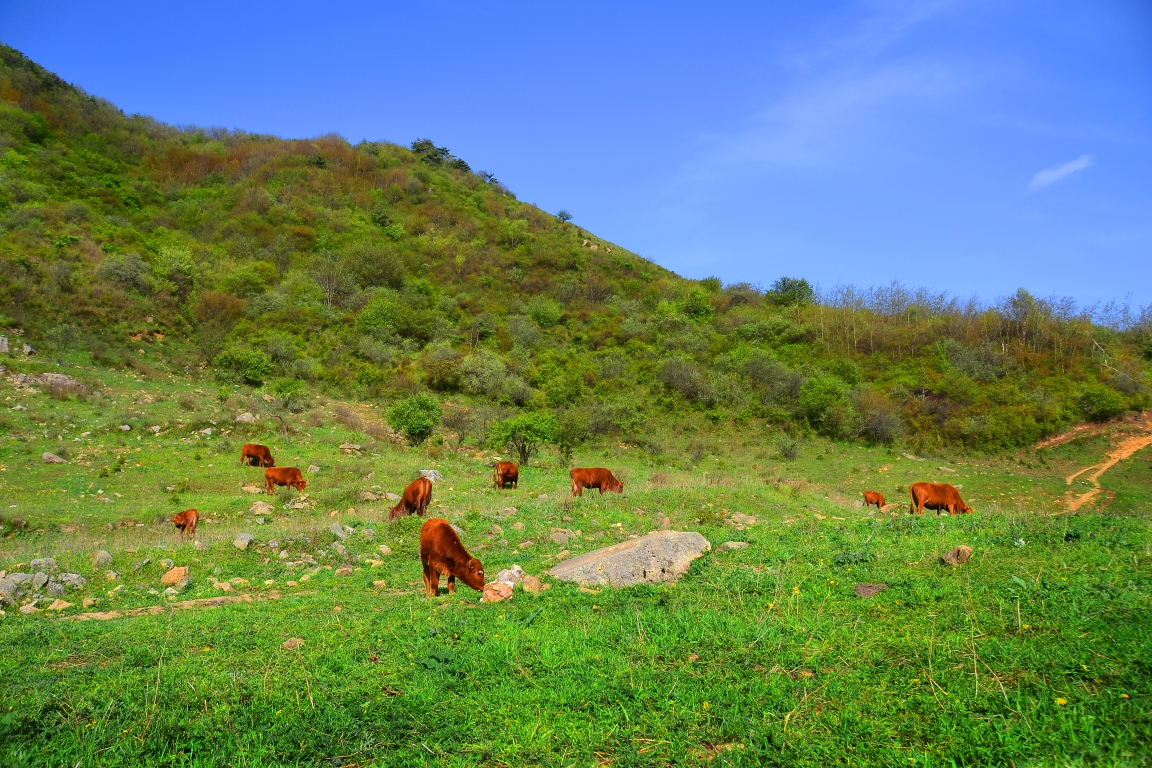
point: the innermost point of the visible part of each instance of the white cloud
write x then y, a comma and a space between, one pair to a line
1050, 176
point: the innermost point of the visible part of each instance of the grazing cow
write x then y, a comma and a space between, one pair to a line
186, 521
504, 473
594, 477
260, 453
874, 497
442, 553
288, 476
415, 499
937, 496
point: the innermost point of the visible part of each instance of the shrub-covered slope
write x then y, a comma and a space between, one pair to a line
375, 270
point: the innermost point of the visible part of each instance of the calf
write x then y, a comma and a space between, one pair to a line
288, 476
937, 496
874, 497
442, 553
415, 499
594, 477
504, 473
260, 453
186, 521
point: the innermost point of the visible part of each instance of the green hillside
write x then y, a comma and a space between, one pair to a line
373, 271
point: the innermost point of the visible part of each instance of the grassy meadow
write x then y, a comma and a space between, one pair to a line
1034, 653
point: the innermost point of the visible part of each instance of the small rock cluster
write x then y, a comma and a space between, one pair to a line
29, 589
504, 584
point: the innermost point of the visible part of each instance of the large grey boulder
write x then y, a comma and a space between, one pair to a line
242, 540
659, 556
432, 474
8, 592
44, 564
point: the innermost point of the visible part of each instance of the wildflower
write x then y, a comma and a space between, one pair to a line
1061, 701
795, 590
1124, 696
705, 705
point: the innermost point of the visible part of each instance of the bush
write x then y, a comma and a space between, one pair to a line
483, 373
546, 312
572, 431
824, 402
685, 378
129, 271
524, 434
248, 366
376, 266
1100, 403
695, 304
415, 417
442, 369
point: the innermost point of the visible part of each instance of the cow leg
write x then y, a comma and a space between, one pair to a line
451, 585
431, 582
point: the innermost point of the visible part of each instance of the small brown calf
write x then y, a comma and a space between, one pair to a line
186, 521
874, 497
442, 553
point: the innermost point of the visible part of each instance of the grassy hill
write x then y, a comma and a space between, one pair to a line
373, 271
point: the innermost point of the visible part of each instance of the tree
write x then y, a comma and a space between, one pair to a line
331, 271
524, 434
564, 216
290, 397
792, 291
415, 417
460, 421
248, 366
572, 431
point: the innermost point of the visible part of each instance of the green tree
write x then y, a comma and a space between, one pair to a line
1100, 403
572, 431
792, 291
524, 434
564, 216
290, 397
415, 417
248, 366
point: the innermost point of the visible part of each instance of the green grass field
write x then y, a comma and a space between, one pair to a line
1034, 653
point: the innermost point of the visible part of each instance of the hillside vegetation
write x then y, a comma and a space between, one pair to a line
375, 271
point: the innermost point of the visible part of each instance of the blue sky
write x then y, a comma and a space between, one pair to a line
971, 146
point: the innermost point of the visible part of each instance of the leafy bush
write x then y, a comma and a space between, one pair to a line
442, 368
525, 434
824, 402
244, 281
695, 304
1100, 403
248, 366
128, 271
483, 373
415, 417
547, 312
685, 378
572, 431
791, 291
376, 266
524, 331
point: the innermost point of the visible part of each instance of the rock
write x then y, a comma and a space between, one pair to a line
392, 496
167, 562
51, 458
59, 605
73, 580
223, 586
39, 580
345, 571
88, 602
55, 589
532, 585
496, 530
380, 584
459, 531
656, 557
517, 526
29, 609
44, 564
154, 429
245, 418
261, 507
526, 543
340, 549
742, 519
141, 564
183, 584
291, 643
259, 521
431, 474
242, 540
665, 523
313, 469
173, 575
251, 488
728, 546
542, 496
170, 592
891, 507
20, 578
559, 538
368, 496
125, 428
510, 575
502, 542
8, 590
508, 511
300, 502
200, 545
496, 591
111, 575
207, 431
957, 555
338, 531
350, 448
368, 533
867, 590
385, 550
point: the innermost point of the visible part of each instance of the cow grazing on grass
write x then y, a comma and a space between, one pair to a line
874, 497
594, 477
442, 553
287, 476
504, 473
261, 454
937, 496
415, 499
186, 521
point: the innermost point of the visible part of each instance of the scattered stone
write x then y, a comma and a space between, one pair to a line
183, 584
245, 418
340, 549
867, 590
740, 518
242, 540
459, 531
88, 602
910, 457
300, 502
665, 523
338, 531
510, 575
173, 575
508, 511
432, 474
946, 469
728, 546
59, 605
368, 533
251, 488
957, 555
526, 543
154, 429
502, 542
313, 469
542, 496
141, 564
125, 427
368, 496
392, 496
292, 642
532, 585
559, 538
44, 564
73, 580
496, 530
207, 431
8, 590
385, 550
380, 584
496, 591
259, 521
350, 448
891, 507
223, 586
202, 546
170, 592
55, 589
656, 557
29, 609
51, 458
39, 580
261, 507
166, 562
517, 526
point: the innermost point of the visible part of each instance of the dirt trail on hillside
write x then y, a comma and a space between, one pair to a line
1138, 436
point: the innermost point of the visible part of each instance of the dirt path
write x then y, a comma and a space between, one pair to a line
1122, 450
183, 605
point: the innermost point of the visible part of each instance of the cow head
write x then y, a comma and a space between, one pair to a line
616, 486
300, 485
473, 576
271, 461
965, 509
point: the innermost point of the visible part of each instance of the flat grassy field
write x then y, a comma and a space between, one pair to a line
1037, 652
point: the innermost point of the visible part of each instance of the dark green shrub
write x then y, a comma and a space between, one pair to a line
1100, 403
415, 417
247, 366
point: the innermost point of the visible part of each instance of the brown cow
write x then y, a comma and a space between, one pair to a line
442, 553
415, 499
874, 497
937, 496
186, 521
594, 477
288, 476
505, 472
260, 453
